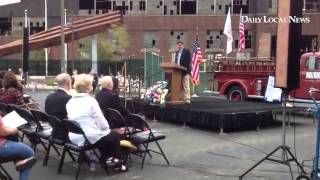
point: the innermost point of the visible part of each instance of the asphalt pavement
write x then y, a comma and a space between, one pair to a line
199, 154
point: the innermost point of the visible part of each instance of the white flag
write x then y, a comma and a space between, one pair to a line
228, 32
6, 2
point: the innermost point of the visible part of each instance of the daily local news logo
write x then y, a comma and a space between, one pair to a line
269, 20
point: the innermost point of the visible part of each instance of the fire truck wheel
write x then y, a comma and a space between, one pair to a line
236, 93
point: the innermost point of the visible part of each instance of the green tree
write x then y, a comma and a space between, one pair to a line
37, 55
110, 43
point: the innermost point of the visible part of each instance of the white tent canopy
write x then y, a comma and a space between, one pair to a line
6, 2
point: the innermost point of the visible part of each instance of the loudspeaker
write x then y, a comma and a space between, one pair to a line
288, 44
25, 50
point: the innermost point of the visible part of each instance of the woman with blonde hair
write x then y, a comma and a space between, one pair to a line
85, 110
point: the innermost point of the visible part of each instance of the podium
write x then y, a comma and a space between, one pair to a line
173, 75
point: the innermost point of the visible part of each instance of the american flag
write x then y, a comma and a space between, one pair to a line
196, 61
242, 36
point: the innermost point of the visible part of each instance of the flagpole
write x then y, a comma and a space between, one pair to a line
239, 30
231, 6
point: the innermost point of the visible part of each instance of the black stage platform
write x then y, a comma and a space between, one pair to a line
213, 113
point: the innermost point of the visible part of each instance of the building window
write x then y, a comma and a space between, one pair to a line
89, 4
237, 2
240, 4
151, 39
188, 7
213, 40
20, 24
160, 3
248, 35
226, 8
142, 5
312, 5
165, 10
203, 67
38, 24
131, 5
177, 35
270, 4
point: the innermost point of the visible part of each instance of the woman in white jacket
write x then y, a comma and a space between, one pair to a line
85, 110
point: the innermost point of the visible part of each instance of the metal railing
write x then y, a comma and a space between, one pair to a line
142, 83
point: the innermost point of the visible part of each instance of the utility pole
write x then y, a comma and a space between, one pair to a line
46, 28
65, 44
94, 49
62, 55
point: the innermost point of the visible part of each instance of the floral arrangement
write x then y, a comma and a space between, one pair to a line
156, 94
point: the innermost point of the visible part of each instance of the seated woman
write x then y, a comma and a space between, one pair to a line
16, 151
85, 110
11, 92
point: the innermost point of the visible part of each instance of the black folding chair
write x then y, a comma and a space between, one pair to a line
4, 175
31, 128
74, 127
47, 132
141, 134
114, 118
58, 137
44, 129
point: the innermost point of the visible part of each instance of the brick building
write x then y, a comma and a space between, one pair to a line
160, 23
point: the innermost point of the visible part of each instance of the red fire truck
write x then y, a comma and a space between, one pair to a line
242, 79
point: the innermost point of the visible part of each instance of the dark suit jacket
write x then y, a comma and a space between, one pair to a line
185, 60
55, 104
107, 99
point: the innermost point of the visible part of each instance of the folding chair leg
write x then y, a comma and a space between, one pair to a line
46, 158
22, 137
2, 176
146, 147
62, 160
56, 149
71, 156
44, 146
34, 146
79, 164
6, 175
144, 155
162, 153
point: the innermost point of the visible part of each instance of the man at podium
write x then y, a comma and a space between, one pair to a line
183, 58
